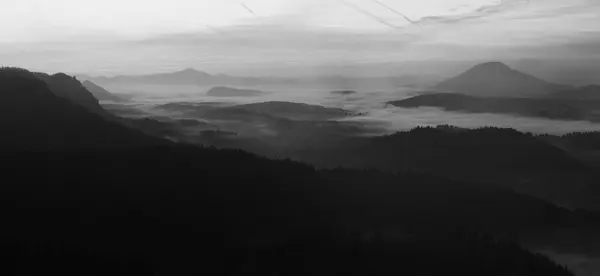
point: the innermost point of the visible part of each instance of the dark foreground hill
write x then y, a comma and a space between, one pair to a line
69, 88
86, 196
33, 117
186, 210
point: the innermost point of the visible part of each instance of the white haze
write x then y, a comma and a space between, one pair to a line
370, 101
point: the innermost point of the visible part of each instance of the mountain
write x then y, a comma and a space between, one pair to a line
224, 91
33, 116
126, 204
194, 77
69, 88
187, 76
497, 79
293, 111
555, 108
100, 93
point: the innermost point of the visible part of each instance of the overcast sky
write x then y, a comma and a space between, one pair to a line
141, 36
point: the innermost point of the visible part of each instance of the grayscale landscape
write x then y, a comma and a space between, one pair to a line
329, 137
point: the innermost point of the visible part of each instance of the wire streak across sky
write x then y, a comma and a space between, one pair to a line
90, 35
372, 16
397, 12
248, 9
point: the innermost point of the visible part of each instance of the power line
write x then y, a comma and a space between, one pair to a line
397, 12
372, 16
248, 9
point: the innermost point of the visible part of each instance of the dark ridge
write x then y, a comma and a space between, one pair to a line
549, 108
87, 196
588, 93
141, 213
292, 110
343, 92
71, 89
495, 157
100, 93
38, 119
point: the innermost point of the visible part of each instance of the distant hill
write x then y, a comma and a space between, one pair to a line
549, 108
100, 93
498, 80
224, 91
69, 88
188, 76
295, 111
589, 92
261, 111
194, 77
343, 92
132, 209
32, 116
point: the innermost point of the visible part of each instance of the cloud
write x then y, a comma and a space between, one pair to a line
153, 35
481, 12
370, 15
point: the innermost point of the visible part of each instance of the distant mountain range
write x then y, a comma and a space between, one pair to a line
194, 77
494, 87
184, 77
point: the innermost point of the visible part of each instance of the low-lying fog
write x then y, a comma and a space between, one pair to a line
370, 102
375, 118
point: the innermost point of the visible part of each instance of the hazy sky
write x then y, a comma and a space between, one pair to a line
140, 36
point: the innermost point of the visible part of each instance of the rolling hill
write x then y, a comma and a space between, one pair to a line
86, 195
37, 118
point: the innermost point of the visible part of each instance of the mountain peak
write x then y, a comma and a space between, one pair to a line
62, 76
496, 79
492, 66
190, 70
191, 73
